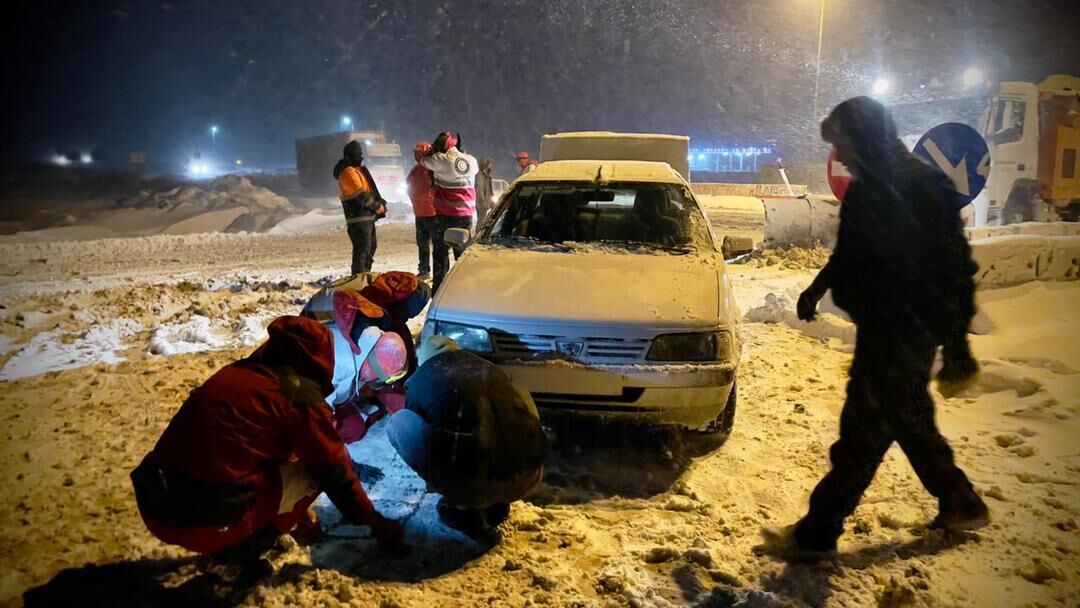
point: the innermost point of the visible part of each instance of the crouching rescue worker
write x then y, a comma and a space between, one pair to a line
362, 204
250, 450
359, 306
902, 270
470, 434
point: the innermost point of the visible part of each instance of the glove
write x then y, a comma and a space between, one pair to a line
806, 309
388, 532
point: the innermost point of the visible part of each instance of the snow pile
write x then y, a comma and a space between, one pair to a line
55, 350
192, 336
790, 258
227, 191
826, 326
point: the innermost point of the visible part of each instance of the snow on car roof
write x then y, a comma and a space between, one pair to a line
603, 170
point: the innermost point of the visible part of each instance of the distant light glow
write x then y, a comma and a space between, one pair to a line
200, 169
239, 162
346, 122
973, 76
689, 157
60, 160
881, 86
367, 142
701, 157
213, 130
85, 158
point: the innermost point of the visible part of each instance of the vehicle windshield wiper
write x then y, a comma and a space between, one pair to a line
676, 249
523, 241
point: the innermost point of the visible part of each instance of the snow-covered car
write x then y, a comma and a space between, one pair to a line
598, 287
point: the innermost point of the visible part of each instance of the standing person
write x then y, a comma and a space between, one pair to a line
249, 451
422, 195
454, 173
362, 204
485, 192
470, 434
524, 163
903, 272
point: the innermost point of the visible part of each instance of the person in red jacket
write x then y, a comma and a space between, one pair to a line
422, 195
249, 451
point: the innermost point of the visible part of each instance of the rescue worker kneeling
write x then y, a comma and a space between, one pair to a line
470, 434
250, 450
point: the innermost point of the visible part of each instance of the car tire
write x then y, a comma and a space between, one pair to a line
725, 420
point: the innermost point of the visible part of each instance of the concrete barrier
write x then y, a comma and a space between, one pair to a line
1019, 258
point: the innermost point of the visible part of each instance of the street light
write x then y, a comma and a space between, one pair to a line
346, 122
973, 76
881, 86
817, 68
213, 133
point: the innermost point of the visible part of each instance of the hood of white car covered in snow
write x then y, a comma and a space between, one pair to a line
595, 287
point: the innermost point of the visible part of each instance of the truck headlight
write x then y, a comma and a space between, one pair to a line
467, 337
711, 346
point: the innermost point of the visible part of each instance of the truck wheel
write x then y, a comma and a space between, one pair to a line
1021, 205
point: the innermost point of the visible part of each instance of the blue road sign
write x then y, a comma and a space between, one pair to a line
962, 155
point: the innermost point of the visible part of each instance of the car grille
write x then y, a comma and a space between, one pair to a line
598, 350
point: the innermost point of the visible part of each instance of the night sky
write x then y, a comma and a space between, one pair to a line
119, 76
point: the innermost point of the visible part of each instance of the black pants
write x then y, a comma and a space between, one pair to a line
425, 238
887, 401
364, 242
442, 248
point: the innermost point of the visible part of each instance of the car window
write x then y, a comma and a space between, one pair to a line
661, 215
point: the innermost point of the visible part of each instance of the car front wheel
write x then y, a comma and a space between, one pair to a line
725, 420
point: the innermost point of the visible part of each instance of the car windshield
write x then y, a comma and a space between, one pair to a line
627, 214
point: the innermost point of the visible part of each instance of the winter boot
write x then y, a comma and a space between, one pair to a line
468, 521
784, 544
972, 514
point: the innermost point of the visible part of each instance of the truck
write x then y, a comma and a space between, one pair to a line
1033, 132
316, 157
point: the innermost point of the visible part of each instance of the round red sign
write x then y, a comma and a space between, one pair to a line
839, 178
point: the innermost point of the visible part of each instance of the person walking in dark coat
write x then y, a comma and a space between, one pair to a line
470, 434
903, 271
362, 204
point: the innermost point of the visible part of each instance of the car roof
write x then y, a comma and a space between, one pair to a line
604, 171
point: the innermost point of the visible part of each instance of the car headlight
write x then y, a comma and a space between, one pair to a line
712, 346
467, 337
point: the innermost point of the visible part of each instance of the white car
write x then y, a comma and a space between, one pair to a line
598, 287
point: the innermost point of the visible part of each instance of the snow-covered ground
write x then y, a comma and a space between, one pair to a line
125, 328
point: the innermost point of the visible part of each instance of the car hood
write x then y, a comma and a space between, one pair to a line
595, 287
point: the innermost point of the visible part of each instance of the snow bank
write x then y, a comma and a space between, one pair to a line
54, 350
192, 336
1019, 258
781, 309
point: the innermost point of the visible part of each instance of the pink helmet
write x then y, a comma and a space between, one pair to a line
388, 360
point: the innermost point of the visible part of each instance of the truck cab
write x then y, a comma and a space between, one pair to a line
1033, 132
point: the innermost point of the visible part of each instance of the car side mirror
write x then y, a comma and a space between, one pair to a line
456, 237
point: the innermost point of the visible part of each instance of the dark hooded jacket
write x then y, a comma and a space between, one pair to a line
249, 417
901, 256
475, 438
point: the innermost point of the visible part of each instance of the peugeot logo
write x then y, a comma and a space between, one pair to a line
570, 349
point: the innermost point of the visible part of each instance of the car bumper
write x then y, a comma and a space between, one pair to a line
689, 395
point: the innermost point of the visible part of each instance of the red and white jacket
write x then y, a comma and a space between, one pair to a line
455, 182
